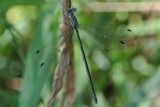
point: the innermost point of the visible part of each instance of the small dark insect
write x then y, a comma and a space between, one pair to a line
122, 42
42, 64
37, 51
129, 30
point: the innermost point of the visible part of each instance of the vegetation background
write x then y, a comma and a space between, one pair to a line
130, 78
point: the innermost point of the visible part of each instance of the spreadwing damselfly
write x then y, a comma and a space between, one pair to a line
106, 34
109, 37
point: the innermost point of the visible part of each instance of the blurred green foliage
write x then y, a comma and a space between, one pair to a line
129, 78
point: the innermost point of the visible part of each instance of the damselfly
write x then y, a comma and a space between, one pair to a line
106, 34
109, 37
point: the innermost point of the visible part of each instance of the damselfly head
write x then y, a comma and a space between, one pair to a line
70, 10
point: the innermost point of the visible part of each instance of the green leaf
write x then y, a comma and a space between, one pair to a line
5, 4
144, 89
34, 77
7, 97
14, 38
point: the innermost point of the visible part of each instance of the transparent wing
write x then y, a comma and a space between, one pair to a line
109, 37
111, 33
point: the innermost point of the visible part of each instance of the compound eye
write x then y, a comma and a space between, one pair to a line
74, 9
66, 11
